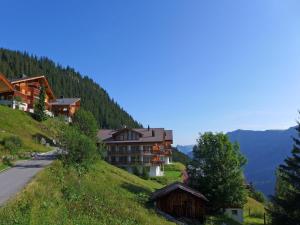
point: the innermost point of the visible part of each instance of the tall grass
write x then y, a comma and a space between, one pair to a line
104, 195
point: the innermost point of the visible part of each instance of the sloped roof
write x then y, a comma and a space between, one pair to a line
25, 79
22, 79
6, 85
160, 134
172, 187
65, 101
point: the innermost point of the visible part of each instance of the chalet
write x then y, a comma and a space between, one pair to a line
22, 94
180, 201
128, 148
65, 106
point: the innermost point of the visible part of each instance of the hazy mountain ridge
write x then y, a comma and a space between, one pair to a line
265, 151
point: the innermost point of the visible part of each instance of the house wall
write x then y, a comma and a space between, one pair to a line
236, 214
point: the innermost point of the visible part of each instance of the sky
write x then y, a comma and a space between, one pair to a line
190, 66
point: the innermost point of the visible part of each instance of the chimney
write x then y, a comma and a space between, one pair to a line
153, 133
24, 75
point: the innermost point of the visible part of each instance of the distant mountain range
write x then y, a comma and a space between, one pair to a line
265, 151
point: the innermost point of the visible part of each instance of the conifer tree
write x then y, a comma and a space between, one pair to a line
285, 209
39, 108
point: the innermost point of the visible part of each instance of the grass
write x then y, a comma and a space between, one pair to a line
105, 195
3, 167
257, 211
19, 123
220, 220
172, 173
254, 212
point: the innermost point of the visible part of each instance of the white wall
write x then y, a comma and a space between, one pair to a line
235, 214
155, 171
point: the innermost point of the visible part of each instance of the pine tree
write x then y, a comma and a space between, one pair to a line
39, 108
285, 209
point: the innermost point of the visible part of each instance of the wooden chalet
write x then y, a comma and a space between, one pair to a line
180, 201
65, 106
22, 93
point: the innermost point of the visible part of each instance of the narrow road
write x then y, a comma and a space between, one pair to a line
15, 179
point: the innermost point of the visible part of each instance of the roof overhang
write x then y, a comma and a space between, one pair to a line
5, 83
41, 78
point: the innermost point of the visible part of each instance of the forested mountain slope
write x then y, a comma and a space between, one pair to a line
65, 81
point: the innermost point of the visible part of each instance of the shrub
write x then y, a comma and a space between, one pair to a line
7, 160
12, 143
81, 151
145, 173
86, 123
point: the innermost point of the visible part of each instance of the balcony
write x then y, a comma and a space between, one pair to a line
156, 160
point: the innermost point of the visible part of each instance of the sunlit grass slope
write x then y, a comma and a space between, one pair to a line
18, 123
105, 195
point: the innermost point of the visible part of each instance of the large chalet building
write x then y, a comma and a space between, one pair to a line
128, 148
22, 93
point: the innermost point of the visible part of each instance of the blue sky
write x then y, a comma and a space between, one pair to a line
190, 66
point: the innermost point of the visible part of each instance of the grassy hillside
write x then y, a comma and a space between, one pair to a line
18, 123
105, 195
254, 212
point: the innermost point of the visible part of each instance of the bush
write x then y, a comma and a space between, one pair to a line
7, 160
12, 143
86, 123
258, 196
81, 151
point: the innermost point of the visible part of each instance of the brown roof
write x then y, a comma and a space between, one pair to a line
160, 134
172, 187
48, 88
65, 101
6, 82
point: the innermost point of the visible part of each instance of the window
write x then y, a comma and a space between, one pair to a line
123, 149
135, 149
147, 147
234, 212
146, 159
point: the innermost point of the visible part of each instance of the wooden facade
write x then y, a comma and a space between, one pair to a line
180, 201
66, 107
25, 91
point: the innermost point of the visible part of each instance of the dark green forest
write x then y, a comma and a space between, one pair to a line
67, 82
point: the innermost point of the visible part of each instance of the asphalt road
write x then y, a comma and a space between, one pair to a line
16, 178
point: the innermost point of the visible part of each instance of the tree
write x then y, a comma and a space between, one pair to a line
217, 171
81, 151
86, 123
40, 107
285, 209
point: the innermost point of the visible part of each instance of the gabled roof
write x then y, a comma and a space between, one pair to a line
26, 79
6, 83
23, 79
65, 101
172, 187
146, 135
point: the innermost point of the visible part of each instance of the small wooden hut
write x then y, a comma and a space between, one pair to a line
180, 201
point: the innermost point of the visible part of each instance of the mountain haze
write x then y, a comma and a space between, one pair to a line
265, 151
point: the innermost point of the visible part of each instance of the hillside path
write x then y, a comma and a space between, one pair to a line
16, 178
